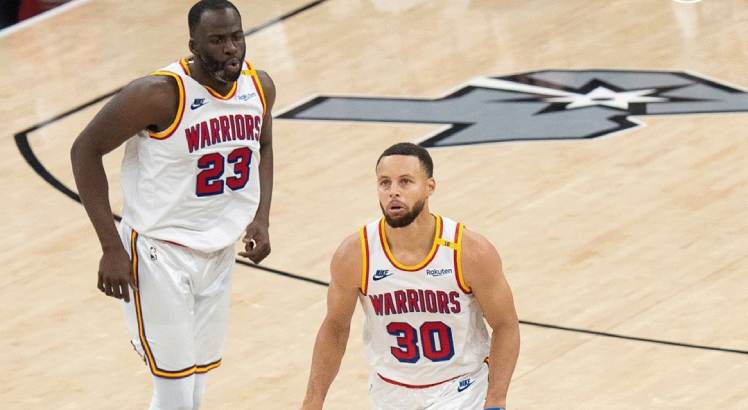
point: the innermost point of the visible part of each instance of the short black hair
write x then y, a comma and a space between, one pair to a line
413, 150
196, 12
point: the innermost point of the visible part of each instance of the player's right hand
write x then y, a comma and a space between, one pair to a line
115, 274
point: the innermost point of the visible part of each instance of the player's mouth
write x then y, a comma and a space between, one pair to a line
396, 207
233, 64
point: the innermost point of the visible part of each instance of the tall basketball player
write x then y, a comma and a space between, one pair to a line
425, 284
197, 173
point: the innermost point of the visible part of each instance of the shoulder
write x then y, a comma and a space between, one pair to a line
476, 244
159, 90
149, 102
479, 256
345, 265
268, 87
348, 252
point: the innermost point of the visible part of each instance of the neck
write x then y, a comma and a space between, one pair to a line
419, 235
203, 76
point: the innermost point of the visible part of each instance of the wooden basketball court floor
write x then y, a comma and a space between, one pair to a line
627, 253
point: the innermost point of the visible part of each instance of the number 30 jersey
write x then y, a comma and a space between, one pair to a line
197, 183
423, 326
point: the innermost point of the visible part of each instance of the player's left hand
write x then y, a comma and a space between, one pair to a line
256, 242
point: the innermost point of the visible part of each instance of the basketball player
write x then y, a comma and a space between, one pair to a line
197, 173
425, 284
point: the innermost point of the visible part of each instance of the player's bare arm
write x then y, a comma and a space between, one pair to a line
345, 272
147, 103
257, 238
483, 273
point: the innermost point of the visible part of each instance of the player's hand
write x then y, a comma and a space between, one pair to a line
256, 242
115, 274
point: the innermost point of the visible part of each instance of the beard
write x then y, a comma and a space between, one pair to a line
218, 70
405, 220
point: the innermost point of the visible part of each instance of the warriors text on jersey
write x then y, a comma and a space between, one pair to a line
197, 183
423, 324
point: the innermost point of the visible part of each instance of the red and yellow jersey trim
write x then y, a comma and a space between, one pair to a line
258, 84
364, 287
185, 66
429, 257
229, 95
161, 135
458, 260
150, 360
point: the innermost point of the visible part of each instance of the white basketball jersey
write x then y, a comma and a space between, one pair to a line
197, 183
423, 325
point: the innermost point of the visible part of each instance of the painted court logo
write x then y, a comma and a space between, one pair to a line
539, 105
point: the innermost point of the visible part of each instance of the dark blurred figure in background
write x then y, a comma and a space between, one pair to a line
9, 12
13, 11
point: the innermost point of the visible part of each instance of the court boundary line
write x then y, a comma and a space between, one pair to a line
532, 323
41, 17
22, 143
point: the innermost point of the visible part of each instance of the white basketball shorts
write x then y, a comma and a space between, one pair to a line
179, 315
467, 392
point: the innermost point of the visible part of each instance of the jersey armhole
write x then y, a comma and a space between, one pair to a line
458, 260
363, 287
258, 85
161, 135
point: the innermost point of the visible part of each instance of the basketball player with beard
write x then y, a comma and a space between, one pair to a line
196, 175
426, 284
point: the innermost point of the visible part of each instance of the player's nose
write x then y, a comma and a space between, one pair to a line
230, 48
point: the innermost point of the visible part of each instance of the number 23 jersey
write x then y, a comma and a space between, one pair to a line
423, 326
197, 183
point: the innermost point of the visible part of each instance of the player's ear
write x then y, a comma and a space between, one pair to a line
431, 184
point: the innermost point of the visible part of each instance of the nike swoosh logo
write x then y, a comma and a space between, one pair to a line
378, 277
462, 387
197, 105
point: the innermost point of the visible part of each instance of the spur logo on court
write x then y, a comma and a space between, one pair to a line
539, 105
